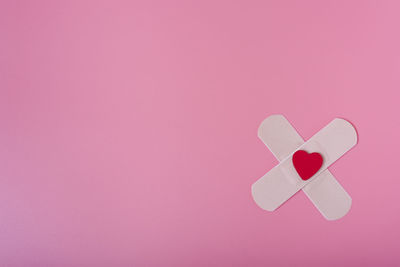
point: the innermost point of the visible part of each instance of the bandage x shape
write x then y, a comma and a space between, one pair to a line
299, 162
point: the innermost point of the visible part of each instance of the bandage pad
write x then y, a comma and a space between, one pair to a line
283, 181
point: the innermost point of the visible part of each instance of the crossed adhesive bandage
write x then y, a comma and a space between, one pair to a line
285, 179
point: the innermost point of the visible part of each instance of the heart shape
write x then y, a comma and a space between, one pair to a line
306, 164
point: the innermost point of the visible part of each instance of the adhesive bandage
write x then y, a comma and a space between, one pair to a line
304, 166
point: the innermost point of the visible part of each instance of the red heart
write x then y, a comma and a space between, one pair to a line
306, 164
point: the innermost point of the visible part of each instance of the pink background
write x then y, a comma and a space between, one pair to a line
128, 131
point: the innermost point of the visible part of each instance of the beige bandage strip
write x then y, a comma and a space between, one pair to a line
282, 181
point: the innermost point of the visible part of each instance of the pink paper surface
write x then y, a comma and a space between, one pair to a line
128, 131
